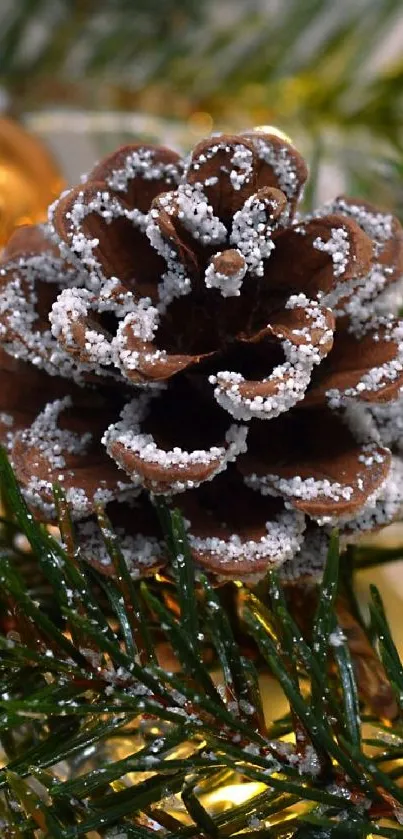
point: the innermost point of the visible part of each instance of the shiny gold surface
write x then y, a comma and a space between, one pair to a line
29, 178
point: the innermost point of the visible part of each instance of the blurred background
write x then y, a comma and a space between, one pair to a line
89, 74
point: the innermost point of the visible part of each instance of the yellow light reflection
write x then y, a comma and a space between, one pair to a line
233, 794
200, 123
274, 131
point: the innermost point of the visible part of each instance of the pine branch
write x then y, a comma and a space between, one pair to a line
81, 680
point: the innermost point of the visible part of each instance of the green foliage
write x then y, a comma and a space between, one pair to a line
74, 36
320, 70
83, 675
307, 64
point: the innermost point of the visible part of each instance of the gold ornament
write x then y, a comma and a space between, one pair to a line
29, 178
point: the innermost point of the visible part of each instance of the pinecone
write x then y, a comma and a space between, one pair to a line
177, 327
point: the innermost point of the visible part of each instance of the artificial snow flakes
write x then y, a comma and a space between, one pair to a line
381, 507
53, 441
142, 553
80, 335
176, 306
24, 331
303, 347
167, 471
197, 215
338, 247
381, 381
377, 225
281, 541
285, 164
297, 487
253, 226
226, 272
142, 162
308, 564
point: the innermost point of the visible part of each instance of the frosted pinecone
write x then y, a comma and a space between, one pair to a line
178, 329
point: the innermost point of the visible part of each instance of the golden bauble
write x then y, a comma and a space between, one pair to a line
29, 178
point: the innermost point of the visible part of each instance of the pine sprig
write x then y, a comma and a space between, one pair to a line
79, 680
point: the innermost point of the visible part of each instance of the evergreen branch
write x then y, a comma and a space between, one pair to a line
76, 678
